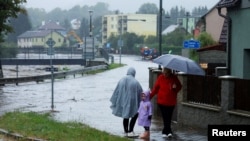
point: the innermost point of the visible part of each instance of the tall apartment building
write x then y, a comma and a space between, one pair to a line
140, 24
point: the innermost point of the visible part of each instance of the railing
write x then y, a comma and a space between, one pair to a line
59, 52
48, 76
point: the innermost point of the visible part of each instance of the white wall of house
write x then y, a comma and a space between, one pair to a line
24, 42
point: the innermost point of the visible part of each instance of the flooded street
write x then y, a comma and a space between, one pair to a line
83, 98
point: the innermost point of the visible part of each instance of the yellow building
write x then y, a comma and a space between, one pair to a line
140, 24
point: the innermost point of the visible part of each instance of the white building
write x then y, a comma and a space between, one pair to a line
140, 24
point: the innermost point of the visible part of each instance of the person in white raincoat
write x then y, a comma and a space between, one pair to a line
125, 101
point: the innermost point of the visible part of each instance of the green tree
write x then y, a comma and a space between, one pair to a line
151, 39
56, 15
36, 16
113, 41
205, 39
66, 24
9, 8
20, 25
174, 38
148, 8
8, 50
130, 41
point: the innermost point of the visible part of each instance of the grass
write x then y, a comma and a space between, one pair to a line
42, 126
110, 66
114, 65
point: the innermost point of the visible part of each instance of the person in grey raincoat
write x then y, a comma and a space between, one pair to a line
145, 114
125, 101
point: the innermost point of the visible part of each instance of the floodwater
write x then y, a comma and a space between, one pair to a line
83, 99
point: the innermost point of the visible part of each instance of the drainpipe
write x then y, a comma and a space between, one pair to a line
229, 21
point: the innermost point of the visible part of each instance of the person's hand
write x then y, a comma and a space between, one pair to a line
150, 117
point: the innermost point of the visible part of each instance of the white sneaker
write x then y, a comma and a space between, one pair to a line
170, 135
164, 135
132, 134
125, 134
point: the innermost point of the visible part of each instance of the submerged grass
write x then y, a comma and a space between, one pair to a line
42, 126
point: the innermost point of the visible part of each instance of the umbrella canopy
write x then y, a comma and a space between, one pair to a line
179, 63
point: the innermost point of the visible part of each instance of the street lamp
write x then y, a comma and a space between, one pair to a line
160, 29
90, 31
90, 23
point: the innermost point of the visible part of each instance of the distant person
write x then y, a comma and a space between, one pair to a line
125, 101
145, 114
166, 88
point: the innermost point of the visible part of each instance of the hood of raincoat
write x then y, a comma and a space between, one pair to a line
147, 94
131, 71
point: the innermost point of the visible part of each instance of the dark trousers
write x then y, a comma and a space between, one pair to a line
129, 125
166, 112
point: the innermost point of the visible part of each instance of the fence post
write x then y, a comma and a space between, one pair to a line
227, 95
227, 92
178, 115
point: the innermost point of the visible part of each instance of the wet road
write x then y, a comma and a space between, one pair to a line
86, 99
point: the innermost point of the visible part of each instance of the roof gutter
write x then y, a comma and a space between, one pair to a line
229, 21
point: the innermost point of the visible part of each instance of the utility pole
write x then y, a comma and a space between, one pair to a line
159, 30
120, 42
187, 15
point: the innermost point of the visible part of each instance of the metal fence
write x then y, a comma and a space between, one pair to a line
204, 90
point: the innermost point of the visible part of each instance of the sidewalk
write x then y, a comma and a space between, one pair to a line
179, 133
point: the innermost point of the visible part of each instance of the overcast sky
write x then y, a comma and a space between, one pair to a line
125, 6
